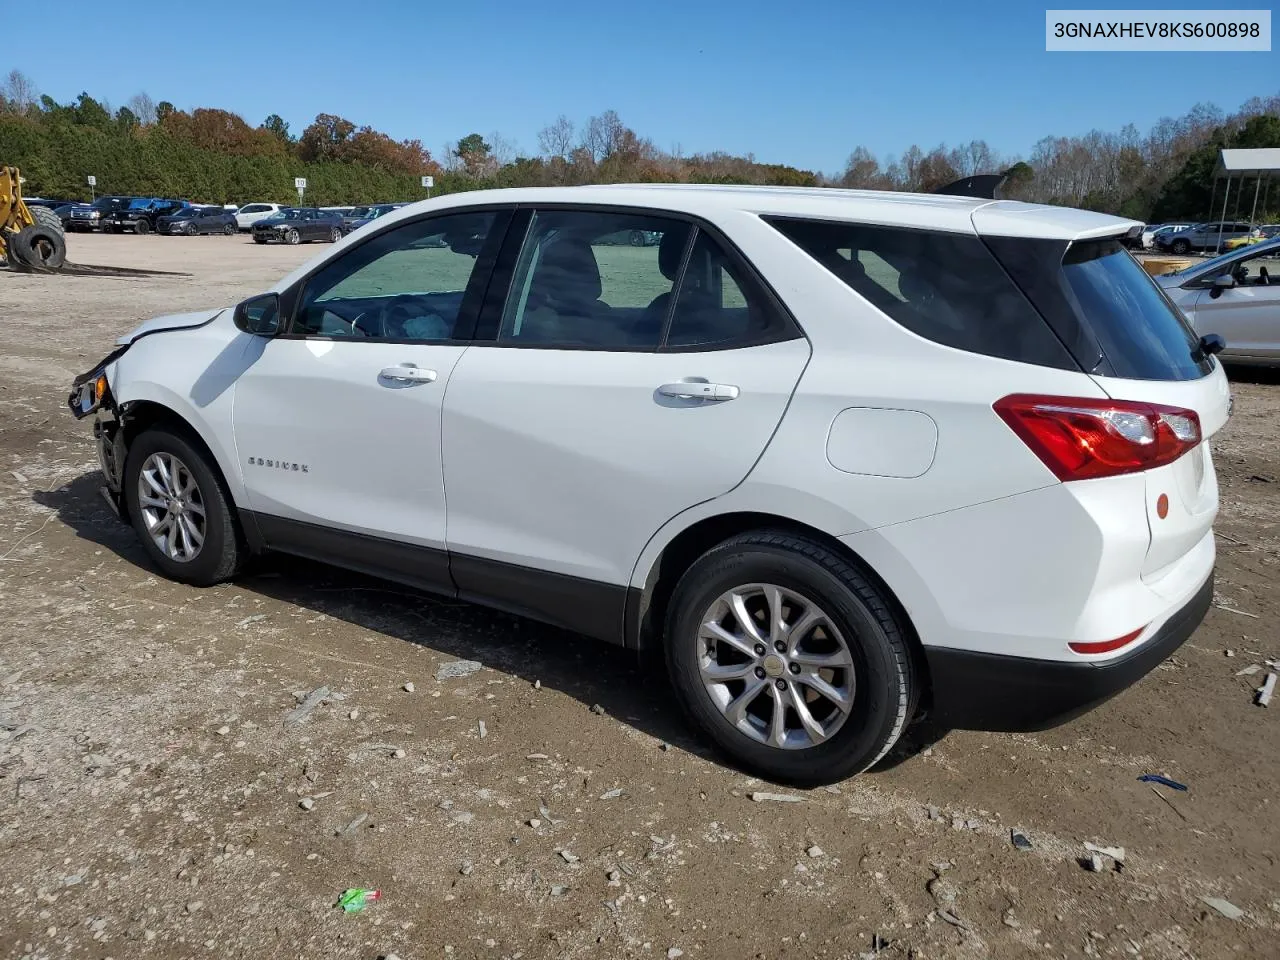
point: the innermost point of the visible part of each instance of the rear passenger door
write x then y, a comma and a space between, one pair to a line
610, 386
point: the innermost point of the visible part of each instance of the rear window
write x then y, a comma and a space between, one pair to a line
1139, 331
946, 287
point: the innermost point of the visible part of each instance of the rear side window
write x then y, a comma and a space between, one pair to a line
1141, 334
946, 287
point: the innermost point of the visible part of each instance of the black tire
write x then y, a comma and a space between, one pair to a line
222, 553
259, 238
886, 687
1180, 247
46, 217
39, 246
335, 235
229, 230
293, 237
141, 227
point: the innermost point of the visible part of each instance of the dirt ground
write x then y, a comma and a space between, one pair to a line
154, 802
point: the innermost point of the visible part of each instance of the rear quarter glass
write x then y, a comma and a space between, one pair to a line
946, 287
1140, 333
1114, 319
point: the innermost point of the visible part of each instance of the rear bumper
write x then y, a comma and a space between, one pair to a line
984, 691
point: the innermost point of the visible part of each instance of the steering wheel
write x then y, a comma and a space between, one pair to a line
395, 313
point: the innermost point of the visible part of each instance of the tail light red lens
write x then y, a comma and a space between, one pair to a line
1084, 438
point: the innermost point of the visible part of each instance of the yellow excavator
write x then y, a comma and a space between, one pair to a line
31, 238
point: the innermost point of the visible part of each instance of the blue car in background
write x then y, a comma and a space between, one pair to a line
358, 217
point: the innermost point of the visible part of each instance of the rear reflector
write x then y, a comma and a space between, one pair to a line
1085, 438
1106, 646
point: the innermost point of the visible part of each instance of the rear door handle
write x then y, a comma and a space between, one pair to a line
699, 390
408, 373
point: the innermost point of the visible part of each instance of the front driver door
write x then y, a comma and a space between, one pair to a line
337, 421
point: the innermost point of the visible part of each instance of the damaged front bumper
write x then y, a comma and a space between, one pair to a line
91, 396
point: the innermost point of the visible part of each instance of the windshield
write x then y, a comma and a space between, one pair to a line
139, 204
359, 213
1140, 331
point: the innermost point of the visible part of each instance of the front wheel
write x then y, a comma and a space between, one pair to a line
180, 509
335, 235
293, 236
789, 658
1180, 247
229, 230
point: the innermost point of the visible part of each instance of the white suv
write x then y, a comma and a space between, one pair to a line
251, 213
843, 456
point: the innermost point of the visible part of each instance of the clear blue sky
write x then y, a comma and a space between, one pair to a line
799, 83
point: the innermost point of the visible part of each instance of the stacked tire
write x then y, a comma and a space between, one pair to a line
43, 244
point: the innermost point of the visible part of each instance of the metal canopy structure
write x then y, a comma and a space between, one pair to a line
1261, 164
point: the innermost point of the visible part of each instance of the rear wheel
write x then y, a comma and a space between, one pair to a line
789, 659
141, 227
1180, 247
229, 230
335, 235
293, 236
180, 509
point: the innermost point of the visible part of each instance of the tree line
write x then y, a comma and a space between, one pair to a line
212, 155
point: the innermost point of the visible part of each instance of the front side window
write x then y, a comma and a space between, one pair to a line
409, 283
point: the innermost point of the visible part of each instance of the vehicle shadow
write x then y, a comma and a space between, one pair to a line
593, 673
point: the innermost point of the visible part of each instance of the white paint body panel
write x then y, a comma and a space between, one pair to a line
568, 460
879, 442
371, 446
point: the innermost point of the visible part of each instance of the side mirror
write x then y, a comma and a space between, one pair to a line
259, 315
1212, 343
1220, 283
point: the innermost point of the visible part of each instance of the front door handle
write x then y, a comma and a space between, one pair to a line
408, 373
699, 390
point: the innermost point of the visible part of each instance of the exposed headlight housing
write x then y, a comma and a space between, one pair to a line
89, 395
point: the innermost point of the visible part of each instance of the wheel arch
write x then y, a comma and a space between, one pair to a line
142, 413
647, 604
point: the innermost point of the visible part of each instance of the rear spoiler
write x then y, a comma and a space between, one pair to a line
981, 187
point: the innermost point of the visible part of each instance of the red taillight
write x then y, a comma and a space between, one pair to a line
1083, 438
1106, 646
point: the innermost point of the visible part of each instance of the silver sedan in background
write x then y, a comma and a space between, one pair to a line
1236, 296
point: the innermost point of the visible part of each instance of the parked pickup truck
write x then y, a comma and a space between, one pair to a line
91, 216
141, 215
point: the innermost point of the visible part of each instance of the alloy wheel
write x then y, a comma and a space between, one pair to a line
172, 507
776, 666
